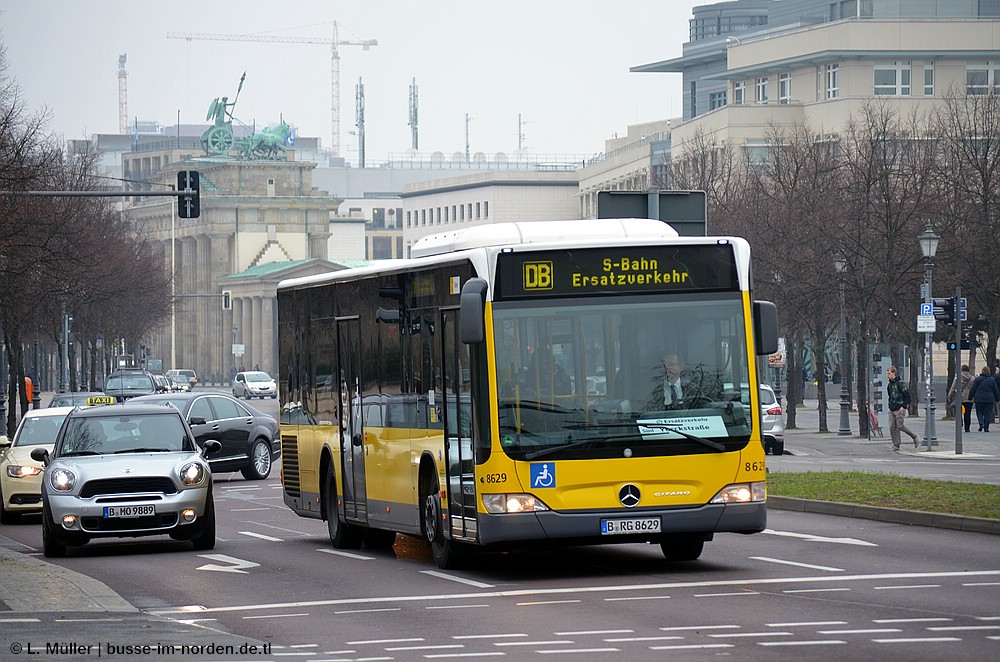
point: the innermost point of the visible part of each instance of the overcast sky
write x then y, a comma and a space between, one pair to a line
562, 64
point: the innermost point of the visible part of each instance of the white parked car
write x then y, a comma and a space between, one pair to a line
21, 476
254, 384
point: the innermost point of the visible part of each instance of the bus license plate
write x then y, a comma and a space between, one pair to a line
128, 511
630, 525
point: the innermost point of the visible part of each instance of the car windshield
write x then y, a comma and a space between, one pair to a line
70, 399
39, 430
258, 377
124, 433
647, 376
127, 383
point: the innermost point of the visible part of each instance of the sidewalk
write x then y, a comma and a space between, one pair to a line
975, 445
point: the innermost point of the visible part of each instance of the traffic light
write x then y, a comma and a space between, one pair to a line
188, 206
944, 309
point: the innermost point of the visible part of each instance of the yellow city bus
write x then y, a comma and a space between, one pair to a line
507, 386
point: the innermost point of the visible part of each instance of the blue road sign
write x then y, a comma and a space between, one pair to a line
926, 309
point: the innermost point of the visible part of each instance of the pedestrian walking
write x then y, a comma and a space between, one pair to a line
984, 393
899, 400
963, 382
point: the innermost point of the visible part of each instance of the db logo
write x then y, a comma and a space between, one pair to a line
538, 275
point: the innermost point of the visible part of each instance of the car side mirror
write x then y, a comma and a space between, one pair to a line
40, 455
210, 447
196, 420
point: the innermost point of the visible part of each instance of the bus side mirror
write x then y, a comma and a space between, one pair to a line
473, 311
765, 327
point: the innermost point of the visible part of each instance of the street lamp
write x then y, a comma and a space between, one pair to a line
928, 246
845, 406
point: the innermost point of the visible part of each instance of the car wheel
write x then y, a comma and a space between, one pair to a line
7, 516
52, 547
260, 461
234, 394
206, 537
682, 547
342, 534
778, 448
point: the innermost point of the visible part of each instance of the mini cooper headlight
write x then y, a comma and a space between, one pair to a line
62, 480
15, 471
192, 473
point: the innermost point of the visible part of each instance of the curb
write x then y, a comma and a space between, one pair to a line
30, 584
893, 515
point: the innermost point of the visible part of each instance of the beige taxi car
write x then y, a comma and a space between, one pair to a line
21, 476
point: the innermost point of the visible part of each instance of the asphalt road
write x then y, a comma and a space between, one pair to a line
811, 587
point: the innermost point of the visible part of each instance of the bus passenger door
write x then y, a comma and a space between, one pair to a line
351, 432
460, 465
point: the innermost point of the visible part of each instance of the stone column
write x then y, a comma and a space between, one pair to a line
246, 333
268, 346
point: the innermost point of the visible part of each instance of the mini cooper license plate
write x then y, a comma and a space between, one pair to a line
128, 511
630, 525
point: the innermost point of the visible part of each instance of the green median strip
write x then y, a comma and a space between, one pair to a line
889, 491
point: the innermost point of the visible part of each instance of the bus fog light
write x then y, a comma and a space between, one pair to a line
512, 503
741, 493
188, 515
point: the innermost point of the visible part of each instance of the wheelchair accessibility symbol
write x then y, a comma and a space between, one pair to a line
543, 475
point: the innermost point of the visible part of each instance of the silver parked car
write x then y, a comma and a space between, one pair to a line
254, 384
772, 423
126, 470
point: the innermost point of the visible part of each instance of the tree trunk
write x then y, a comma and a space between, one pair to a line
861, 383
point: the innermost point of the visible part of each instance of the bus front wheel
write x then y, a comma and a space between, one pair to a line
446, 556
682, 547
342, 534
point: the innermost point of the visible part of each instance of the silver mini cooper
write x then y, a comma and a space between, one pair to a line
126, 470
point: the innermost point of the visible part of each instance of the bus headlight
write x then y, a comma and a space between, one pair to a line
497, 504
741, 493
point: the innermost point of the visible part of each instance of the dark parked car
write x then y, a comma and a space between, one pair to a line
129, 383
250, 439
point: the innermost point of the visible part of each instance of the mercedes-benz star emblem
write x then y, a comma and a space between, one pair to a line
629, 495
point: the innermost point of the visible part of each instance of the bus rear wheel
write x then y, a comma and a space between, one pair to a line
342, 534
682, 547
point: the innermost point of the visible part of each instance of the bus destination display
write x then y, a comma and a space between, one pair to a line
621, 270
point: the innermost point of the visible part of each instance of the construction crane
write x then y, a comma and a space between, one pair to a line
122, 96
333, 42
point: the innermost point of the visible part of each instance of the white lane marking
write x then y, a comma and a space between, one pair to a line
248, 618
982, 584
821, 642
423, 648
383, 641
438, 656
734, 635
237, 565
20, 620
456, 606
917, 640
583, 632
337, 552
768, 559
912, 620
808, 537
579, 650
489, 636
546, 602
681, 647
894, 588
950, 628
261, 536
639, 597
622, 640
621, 588
725, 595
815, 590
453, 578
862, 631
700, 627
804, 624
367, 611
551, 642
987, 618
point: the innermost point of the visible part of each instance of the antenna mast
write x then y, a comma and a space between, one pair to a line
122, 96
413, 115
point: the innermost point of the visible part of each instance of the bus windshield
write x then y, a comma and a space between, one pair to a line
622, 376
